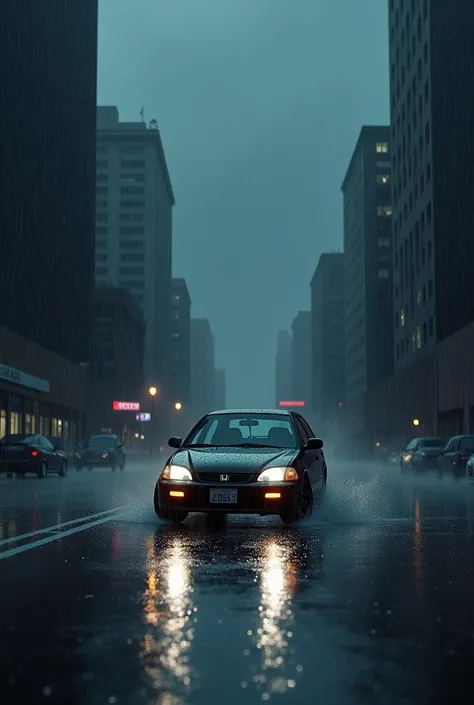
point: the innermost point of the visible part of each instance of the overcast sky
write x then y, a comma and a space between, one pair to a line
259, 104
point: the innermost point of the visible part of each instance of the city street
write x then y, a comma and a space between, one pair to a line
371, 601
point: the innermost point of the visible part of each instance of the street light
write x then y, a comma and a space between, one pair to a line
178, 406
416, 422
152, 391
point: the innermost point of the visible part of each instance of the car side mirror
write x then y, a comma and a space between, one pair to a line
314, 444
175, 442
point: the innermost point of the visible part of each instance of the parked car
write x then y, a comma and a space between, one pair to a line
455, 456
421, 454
101, 450
23, 453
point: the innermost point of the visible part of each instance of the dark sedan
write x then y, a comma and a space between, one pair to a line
243, 462
23, 453
421, 454
101, 450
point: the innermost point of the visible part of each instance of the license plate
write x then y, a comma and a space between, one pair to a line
218, 496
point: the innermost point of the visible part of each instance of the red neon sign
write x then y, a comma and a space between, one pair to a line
291, 403
126, 405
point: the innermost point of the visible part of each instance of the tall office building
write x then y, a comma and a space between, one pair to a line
431, 67
219, 389
301, 357
327, 336
180, 362
283, 367
48, 55
134, 201
202, 367
368, 262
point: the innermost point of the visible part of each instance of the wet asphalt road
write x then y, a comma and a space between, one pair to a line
371, 601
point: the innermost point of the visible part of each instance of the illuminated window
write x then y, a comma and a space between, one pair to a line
382, 147
418, 298
402, 317
15, 422
384, 211
383, 179
3, 423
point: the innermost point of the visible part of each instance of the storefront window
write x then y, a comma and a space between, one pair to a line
65, 429
29, 419
3, 423
54, 427
59, 428
15, 422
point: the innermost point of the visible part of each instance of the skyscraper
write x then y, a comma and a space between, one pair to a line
202, 367
48, 55
283, 367
301, 357
368, 262
219, 389
134, 201
180, 363
327, 336
431, 66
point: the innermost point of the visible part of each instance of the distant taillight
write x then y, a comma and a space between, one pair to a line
464, 458
34, 453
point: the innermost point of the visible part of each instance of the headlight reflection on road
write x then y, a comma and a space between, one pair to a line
169, 613
277, 585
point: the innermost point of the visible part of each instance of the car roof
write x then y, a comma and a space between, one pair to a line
255, 412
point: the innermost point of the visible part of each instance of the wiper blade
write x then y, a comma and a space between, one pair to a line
200, 445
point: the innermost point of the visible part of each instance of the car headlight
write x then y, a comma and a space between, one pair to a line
105, 455
176, 472
278, 475
423, 453
407, 458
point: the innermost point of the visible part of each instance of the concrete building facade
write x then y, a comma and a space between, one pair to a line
327, 337
301, 357
48, 51
134, 201
180, 357
368, 262
202, 367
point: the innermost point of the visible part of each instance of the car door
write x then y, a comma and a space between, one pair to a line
312, 459
53, 458
449, 453
319, 458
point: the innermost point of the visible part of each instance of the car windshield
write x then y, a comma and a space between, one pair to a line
99, 442
432, 443
18, 438
243, 429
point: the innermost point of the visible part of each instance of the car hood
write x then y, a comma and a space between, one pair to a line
204, 460
431, 451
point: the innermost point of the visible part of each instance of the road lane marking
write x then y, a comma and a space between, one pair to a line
9, 553
56, 527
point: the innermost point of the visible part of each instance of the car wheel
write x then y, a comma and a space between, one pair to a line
43, 471
305, 508
63, 471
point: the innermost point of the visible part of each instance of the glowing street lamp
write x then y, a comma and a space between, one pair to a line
416, 422
153, 391
178, 406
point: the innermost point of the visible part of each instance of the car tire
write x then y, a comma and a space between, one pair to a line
43, 471
305, 507
63, 471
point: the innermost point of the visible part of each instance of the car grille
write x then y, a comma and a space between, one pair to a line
236, 477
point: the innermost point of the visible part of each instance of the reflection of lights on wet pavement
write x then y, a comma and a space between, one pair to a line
418, 550
277, 585
170, 616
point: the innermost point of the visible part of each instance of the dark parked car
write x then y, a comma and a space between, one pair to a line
421, 454
23, 453
101, 450
455, 456
243, 462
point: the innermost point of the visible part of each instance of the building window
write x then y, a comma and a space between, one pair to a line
132, 190
132, 245
136, 271
132, 230
418, 299
132, 164
101, 190
132, 178
101, 203
382, 147
132, 217
101, 230
101, 271
134, 285
15, 422
384, 211
132, 204
132, 257
102, 257
382, 178
101, 177
402, 317
383, 242
133, 149
101, 217
384, 274
100, 244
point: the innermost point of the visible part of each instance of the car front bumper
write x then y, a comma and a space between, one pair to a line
251, 499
